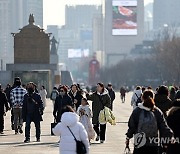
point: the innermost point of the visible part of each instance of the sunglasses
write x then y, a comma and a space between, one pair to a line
61, 90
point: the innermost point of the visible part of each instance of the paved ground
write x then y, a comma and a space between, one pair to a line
13, 144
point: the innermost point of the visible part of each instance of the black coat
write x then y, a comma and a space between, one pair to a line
33, 106
173, 120
78, 97
3, 102
60, 103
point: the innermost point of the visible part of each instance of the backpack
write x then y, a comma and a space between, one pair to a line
54, 95
147, 123
139, 100
80, 147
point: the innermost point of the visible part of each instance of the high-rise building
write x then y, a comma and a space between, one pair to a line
123, 22
4, 31
14, 15
166, 12
80, 16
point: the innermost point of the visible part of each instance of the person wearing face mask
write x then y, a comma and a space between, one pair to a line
32, 111
61, 101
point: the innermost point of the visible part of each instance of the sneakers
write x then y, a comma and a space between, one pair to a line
20, 131
26, 140
97, 138
16, 133
102, 141
2, 132
38, 140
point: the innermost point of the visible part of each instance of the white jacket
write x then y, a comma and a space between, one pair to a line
134, 97
67, 143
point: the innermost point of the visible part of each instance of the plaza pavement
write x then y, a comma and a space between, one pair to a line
114, 144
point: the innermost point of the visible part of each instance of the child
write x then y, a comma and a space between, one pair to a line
85, 114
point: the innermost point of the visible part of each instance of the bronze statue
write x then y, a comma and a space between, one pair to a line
53, 45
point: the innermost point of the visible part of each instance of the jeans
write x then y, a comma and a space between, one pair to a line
100, 132
29, 119
1, 122
18, 121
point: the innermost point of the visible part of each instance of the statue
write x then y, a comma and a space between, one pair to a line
31, 19
53, 45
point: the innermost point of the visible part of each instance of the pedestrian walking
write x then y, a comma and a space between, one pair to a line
17, 96
136, 97
68, 127
85, 114
7, 92
162, 100
43, 94
75, 95
61, 101
123, 94
99, 99
111, 94
54, 95
145, 122
32, 111
174, 123
4, 107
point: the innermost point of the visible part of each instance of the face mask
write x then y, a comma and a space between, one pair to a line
30, 90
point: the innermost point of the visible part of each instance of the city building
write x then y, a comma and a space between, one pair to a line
5, 30
80, 16
123, 23
166, 12
14, 15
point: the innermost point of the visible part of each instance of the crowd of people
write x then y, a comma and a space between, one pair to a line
155, 114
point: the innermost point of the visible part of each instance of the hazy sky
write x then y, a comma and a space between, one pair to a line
54, 9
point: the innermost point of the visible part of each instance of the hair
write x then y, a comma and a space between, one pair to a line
101, 85
64, 88
109, 85
163, 90
75, 86
0, 86
55, 88
143, 89
138, 88
149, 88
84, 99
173, 90
43, 87
148, 98
67, 108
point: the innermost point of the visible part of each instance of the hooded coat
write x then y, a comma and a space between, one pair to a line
133, 122
98, 103
67, 143
163, 102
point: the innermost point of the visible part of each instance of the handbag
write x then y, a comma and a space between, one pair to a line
52, 126
80, 147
